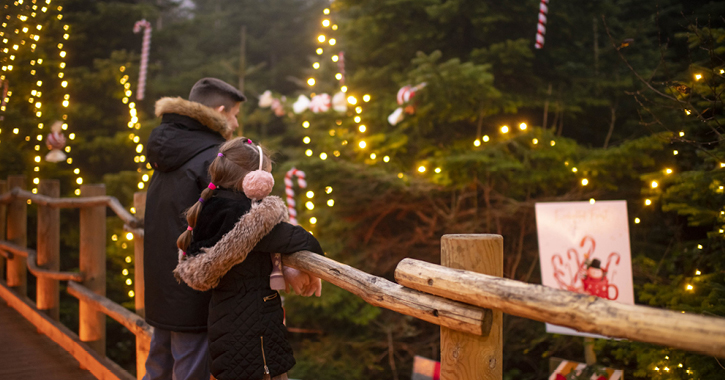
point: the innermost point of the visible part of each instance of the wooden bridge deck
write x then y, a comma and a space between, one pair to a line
26, 354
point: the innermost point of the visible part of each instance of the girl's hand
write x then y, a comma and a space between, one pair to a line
302, 283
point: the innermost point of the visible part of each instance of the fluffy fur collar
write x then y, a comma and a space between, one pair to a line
207, 116
205, 270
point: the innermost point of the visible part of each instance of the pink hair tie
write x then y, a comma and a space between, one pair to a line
189, 228
220, 154
212, 186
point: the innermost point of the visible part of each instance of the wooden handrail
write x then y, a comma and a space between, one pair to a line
132, 321
8, 249
111, 202
378, 291
578, 311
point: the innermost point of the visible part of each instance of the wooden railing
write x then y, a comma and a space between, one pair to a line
466, 295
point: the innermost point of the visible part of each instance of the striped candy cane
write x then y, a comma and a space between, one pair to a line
145, 47
301, 182
541, 26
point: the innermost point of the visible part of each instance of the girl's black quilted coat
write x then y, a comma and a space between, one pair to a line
246, 333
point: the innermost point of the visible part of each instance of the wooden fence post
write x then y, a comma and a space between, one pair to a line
48, 297
92, 323
3, 216
143, 342
17, 272
465, 356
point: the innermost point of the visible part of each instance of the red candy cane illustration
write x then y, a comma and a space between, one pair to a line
145, 47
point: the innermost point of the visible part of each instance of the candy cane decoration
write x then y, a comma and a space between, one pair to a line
302, 183
541, 26
145, 47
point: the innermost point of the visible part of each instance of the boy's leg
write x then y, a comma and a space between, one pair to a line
191, 356
159, 361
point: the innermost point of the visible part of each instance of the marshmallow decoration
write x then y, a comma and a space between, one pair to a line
145, 47
289, 191
320, 103
339, 102
541, 25
301, 104
396, 117
266, 99
259, 183
55, 142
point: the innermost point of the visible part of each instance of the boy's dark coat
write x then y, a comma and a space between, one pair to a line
180, 151
246, 332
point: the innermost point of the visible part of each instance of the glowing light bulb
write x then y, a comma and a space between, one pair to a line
328, 189
311, 81
125, 272
308, 152
362, 144
585, 182
688, 287
421, 169
313, 220
485, 138
343, 88
674, 152
325, 23
323, 156
574, 170
335, 58
321, 38
351, 100
386, 159
316, 65
373, 156
654, 184
306, 140
698, 76
636, 220
523, 126
128, 281
669, 171
438, 170
318, 51
131, 293
310, 205
305, 124
697, 272
326, 11
535, 141
338, 76
552, 142
129, 236
366, 98
362, 128
476, 142
330, 202
505, 129
333, 41
682, 133
592, 201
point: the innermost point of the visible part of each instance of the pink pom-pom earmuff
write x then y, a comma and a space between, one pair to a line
259, 183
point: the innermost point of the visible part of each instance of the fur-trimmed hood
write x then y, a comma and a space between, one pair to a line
207, 116
204, 270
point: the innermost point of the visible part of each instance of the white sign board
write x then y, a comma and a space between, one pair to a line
584, 248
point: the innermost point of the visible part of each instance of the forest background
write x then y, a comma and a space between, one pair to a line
624, 101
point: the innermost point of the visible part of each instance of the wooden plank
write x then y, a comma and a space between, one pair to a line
581, 312
100, 366
17, 233
133, 322
465, 356
94, 201
92, 323
12, 250
26, 354
378, 291
48, 253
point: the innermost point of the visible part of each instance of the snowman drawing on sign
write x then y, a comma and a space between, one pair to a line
585, 275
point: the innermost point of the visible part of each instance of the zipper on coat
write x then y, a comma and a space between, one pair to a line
270, 297
264, 359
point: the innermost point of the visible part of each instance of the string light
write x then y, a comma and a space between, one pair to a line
505, 129
585, 182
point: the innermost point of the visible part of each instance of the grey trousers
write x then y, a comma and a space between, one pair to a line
178, 356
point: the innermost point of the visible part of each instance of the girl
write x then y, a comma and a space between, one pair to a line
230, 227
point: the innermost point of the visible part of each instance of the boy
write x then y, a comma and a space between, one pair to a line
180, 151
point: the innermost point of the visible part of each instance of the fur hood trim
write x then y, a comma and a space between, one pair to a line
205, 270
207, 116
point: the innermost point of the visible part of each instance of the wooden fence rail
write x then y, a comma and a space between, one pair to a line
465, 296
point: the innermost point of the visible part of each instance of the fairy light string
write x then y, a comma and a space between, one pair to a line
29, 26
